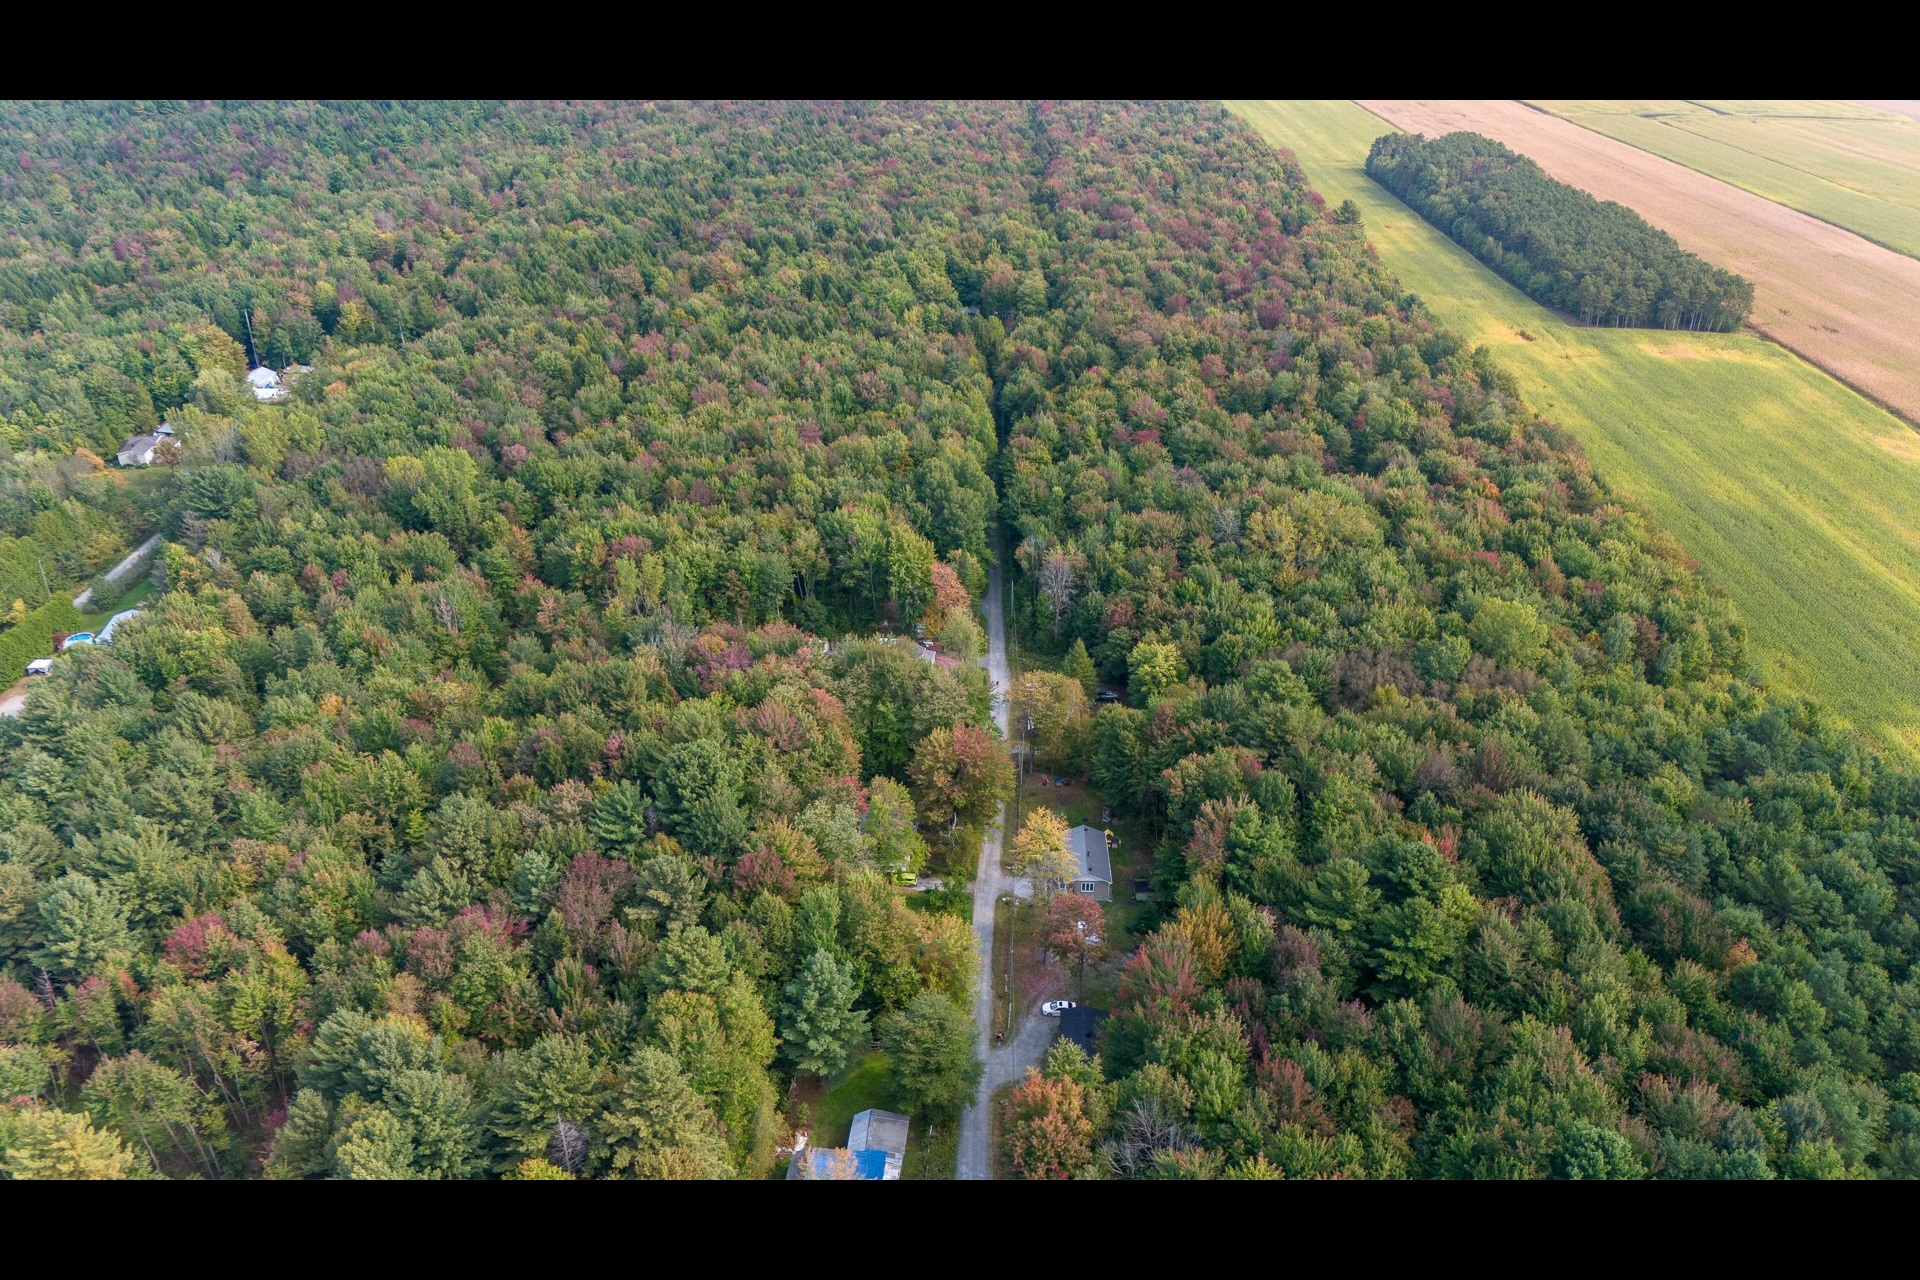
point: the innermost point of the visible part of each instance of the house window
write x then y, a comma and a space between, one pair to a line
1086, 886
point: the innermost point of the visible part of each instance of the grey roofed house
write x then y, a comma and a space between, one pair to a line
138, 452
1095, 877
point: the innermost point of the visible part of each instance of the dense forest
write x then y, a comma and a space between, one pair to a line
1598, 261
477, 798
509, 781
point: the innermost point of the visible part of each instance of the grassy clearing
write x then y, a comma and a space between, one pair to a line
1796, 495
1808, 108
862, 1085
1855, 168
1837, 300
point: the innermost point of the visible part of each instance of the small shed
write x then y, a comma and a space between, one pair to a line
828, 1164
883, 1131
876, 1148
1095, 874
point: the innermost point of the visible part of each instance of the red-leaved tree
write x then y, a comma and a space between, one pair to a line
1049, 1136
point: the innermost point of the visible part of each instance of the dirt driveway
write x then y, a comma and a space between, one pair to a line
13, 699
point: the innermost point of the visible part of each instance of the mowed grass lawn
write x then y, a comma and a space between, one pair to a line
1855, 168
1800, 498
138, 598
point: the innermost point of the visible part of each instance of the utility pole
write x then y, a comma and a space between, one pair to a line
1013, 917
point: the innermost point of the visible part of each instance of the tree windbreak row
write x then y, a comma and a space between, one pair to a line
481, 795
1598, 261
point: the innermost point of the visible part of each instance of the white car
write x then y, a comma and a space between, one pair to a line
1054, 1008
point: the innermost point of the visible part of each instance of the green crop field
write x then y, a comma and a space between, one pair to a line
1778, 108
1806, 108
1848, 165
1797, 496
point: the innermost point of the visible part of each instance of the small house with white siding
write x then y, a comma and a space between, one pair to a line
138, 451
266, 384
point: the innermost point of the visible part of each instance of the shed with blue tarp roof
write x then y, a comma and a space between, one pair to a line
875, 1151
838, 1163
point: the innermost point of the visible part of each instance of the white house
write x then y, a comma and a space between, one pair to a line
265, 383
138, 452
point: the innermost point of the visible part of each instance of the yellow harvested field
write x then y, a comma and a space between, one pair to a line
1841, 301
1778, 109
1898, 106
